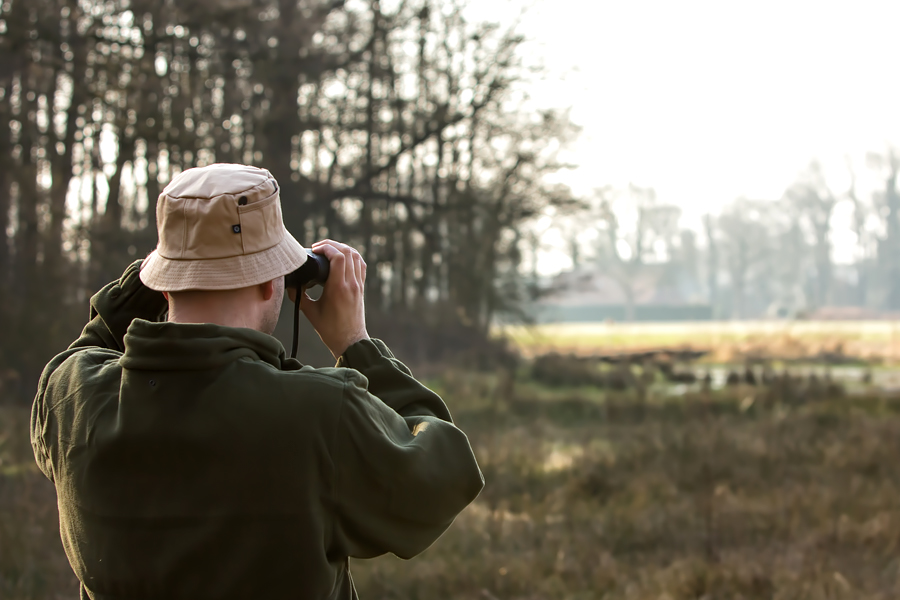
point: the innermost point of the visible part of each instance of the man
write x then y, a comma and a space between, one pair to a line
193, 460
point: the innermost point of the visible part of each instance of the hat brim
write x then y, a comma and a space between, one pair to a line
174, 275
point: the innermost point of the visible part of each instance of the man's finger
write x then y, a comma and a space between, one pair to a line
360, 267
346, 250
336, 260
338, 245
354, 258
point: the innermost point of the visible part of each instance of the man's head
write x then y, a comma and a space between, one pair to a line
223, 249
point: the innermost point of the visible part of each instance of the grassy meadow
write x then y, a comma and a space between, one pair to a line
783, 490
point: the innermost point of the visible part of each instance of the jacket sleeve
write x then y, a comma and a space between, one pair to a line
403, 470
112, 310
115, 306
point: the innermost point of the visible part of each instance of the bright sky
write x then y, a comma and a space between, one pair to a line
709, 100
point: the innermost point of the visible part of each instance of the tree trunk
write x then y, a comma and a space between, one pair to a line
712, 266
892, 200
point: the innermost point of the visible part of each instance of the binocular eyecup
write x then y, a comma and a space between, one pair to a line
313, 272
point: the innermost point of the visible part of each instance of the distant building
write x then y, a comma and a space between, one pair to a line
590, 294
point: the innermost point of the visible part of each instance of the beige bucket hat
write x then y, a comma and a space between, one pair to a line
220, 227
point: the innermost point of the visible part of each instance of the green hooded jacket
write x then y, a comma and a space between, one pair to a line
195, 461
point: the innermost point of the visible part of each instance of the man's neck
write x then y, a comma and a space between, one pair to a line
227, 308
216, 318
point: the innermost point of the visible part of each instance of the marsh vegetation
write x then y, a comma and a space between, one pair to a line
739, 491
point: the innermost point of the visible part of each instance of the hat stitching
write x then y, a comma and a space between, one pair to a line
246, 192
198, 260
250, 270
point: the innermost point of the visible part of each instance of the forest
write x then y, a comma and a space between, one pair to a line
396, 127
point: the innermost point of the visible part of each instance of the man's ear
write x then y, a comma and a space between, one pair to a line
267, 289
166, 296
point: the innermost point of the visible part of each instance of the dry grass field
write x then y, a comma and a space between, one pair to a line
741, 493
727, 340
788, 490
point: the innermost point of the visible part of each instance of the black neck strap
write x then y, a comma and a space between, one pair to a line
296, 323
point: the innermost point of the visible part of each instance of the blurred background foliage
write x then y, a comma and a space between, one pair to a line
397, 127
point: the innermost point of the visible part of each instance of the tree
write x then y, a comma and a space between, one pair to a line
712, 263
399, 129
745, 246
813, 202
866, 242
887, 206
634, 227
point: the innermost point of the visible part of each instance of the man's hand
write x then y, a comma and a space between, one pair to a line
339, 315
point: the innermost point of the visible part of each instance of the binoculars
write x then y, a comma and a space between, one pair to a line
313, 272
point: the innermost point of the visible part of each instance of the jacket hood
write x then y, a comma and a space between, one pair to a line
191, 346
